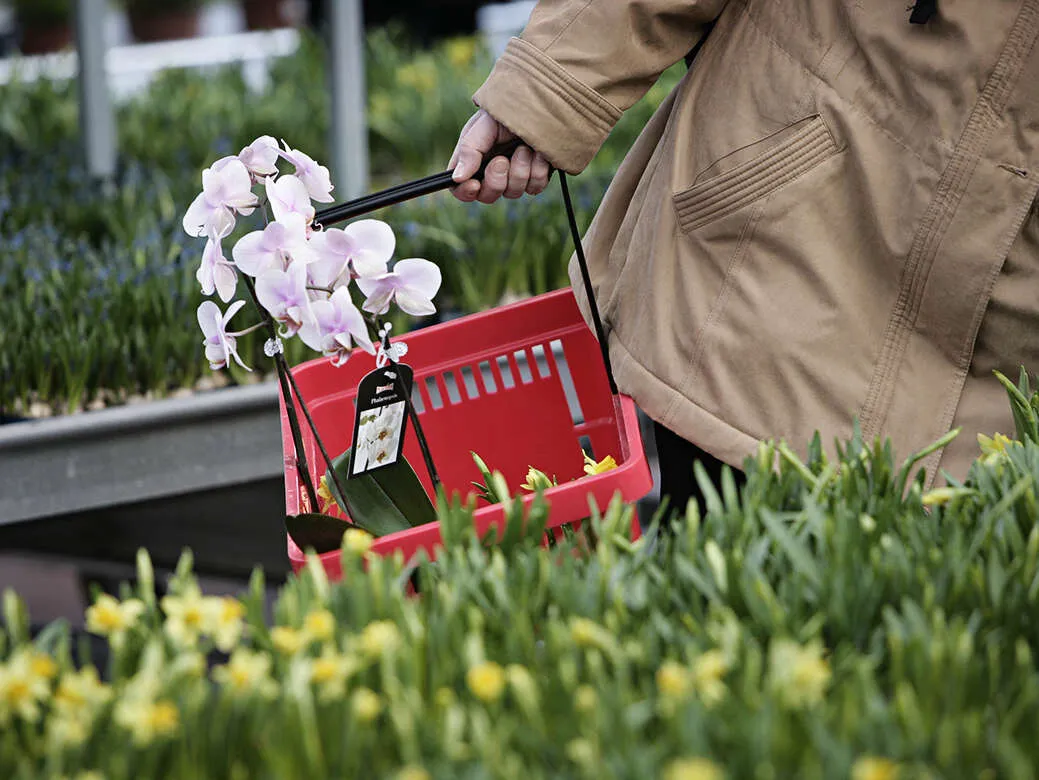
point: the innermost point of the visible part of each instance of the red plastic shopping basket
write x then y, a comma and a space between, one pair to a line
520, 385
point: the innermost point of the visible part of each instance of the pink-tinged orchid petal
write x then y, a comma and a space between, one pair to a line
328, 264
413, 283
226, 188
334, 326
364, 248
261, 157
215, 273
316, 177
288, 195
219, 344
284, 295
373, 243
273, 247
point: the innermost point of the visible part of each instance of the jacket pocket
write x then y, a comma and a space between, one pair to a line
748, 174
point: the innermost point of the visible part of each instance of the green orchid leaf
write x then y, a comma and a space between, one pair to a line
322, 533
384, 501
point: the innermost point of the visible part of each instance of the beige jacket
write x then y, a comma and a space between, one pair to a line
833, 215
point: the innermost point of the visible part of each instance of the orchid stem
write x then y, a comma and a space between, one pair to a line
328, 290
250, 329
317, 438
290, 408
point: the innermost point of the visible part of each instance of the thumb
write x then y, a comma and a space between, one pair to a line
474, 142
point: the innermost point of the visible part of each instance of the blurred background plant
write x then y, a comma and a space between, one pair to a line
98, 281
45, 25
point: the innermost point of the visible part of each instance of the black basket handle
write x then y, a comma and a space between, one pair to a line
408, 190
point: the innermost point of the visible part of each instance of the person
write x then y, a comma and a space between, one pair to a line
832, 216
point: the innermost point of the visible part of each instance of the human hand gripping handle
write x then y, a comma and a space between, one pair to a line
507, 173
412, 189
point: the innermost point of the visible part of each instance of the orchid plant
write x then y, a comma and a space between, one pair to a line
300, 275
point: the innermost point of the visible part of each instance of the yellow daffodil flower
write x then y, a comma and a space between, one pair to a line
708, 670
799, 674
329, 673
287, 640
693, 769
67, 731
112, 618
592, 466
366, 705
943, 495
673, 680
420, 75
224, 621
186, 616
379, 638
460, 52
588, 633
24, 684
357, 541
486, 681
147, 720
324, 494
538, 480
319, 625
80, 691
247, 673
874, 768
995, 445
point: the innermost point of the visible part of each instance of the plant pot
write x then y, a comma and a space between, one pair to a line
154, 25
264, 14
45, 38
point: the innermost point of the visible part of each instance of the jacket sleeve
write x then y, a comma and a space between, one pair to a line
579, 64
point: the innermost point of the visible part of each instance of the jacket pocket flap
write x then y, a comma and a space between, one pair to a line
790, 157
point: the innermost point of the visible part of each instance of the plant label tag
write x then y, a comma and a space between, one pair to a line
381, 418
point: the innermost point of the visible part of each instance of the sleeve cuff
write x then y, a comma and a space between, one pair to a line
554, 113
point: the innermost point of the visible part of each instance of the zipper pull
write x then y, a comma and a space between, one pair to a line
923, 11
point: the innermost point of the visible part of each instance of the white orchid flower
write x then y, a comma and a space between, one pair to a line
363, 247
314, 175
274, 247
220, 345
216, 273
334, 326
288, 195
261, 157
412, 283
284, 295
226, 188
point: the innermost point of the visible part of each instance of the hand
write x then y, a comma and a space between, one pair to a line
527, 171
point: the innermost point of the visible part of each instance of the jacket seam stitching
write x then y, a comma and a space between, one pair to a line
579, 95
568, 25
948, 195
966, 355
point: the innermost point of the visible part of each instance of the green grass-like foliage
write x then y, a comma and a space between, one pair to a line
828, 620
